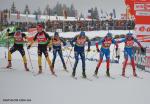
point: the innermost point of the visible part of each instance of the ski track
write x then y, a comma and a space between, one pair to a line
47, 89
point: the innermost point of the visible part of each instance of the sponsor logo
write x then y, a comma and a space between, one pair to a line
141, 7
142, 60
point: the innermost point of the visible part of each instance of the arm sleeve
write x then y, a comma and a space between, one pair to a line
49, 39
97, 46
100, 41
73, 40
135, 40
24, 35
63, 41
114, 42
89, 42
122, 40
47, 36
35, 37
11, 34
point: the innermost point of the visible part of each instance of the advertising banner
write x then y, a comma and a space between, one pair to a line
147, 59
139, 58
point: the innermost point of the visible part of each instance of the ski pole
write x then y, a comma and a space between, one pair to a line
45, 64
69, 55
30, 58
86, 55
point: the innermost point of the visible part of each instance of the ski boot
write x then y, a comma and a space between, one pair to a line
123, 72
52, 69
96, 72
73, 73
52, 66
83, 75
134, 73
107, 73
40, 70
9, 64
65, 68
26, 68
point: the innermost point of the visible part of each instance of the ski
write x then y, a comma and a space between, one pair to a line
36, 74
65, 70
54, 75
138, 77
74, 77
110, 77
95, 76
124, 76
7, 69
86, 78
131, 77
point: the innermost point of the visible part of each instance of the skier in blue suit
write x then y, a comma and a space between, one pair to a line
105, 50
78, 43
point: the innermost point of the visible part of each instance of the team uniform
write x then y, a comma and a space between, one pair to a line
57, 48
128, 51
43, 40
19, 40
105, 50
78, 43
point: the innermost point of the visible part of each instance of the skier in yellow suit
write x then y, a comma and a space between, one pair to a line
43, 40
19, 39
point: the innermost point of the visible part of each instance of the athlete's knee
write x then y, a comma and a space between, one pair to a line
9, 55
39, 53
24, 59
46, 54
40, 60
22, 53
48, 60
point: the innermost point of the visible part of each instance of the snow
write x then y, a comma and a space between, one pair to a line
90, 34
31, 18
46, 89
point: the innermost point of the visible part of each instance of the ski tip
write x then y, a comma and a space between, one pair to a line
74, 77
54, 75
138, 77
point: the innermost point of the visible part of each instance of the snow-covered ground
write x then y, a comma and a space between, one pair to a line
90, 34
45, 89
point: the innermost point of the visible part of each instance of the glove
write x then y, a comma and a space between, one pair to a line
142, 49
50, 48
97, 50
29, 47
8, 30
88, 50
72, 45
64, 44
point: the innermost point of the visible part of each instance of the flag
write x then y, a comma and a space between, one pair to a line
36, 17
114, 13
18, 14
106, 14
65, 14
101, 11
76, 13
0, 16
9, 14
27, 16
89, 11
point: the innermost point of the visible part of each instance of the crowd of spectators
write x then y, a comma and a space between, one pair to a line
73, 26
